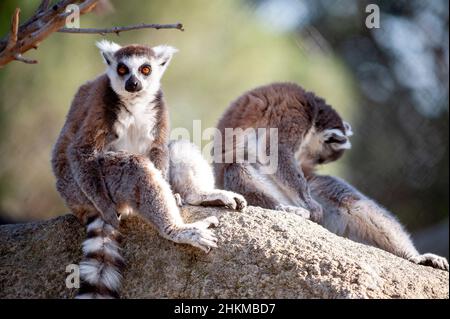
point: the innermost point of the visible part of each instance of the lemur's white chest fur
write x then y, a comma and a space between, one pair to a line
134, 127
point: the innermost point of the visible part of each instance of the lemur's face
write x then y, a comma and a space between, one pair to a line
334, 143
328, 138
325, 146
135, 70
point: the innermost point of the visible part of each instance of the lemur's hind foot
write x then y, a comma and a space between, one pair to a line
218, 197
432, 260
231, 200
192, 178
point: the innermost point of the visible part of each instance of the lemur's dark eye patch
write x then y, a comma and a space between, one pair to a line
145, 69
336, 139
122, 69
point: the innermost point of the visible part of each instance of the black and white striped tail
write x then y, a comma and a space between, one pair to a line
100, 269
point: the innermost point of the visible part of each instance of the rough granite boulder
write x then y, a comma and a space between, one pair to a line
261, 254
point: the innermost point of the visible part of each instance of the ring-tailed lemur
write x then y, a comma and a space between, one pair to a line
112, 156
346, 211
303, 121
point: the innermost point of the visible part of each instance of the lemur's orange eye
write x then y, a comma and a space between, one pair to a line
122, 69
146, 69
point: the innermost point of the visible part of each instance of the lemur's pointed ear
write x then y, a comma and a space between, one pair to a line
163, 54
107, 50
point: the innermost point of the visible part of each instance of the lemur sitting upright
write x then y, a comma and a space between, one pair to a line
112, 156
310, 133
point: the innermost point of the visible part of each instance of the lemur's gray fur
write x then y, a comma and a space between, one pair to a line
192, 177
322, 137
350, 214
305, 124
112, 157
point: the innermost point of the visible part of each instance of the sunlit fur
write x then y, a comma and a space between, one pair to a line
309, 131
112, 157
192, 177
349, 213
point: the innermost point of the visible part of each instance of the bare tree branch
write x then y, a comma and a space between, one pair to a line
117, 30
37, 28
48, 19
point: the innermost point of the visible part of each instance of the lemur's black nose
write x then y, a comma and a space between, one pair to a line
133, 84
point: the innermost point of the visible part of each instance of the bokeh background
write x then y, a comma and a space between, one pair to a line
390, 83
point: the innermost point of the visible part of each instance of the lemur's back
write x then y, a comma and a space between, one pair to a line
277, 105
267, 106
284, 106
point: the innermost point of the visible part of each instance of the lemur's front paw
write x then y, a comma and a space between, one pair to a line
430, 260
198, 235
294, 209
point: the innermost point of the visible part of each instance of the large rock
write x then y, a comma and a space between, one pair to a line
261, 254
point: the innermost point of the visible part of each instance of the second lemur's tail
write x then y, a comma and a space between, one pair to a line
100, 269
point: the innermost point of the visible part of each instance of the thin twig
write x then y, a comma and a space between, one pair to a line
117, 30
43, 6
12, 39
21, 58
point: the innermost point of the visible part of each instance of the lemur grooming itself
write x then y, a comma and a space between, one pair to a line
322, 137
112, 156
302, 120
